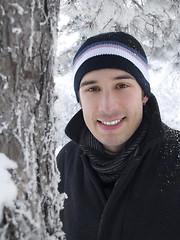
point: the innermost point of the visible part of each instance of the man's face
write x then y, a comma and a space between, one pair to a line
112, 105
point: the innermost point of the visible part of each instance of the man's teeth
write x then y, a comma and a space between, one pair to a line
112, 123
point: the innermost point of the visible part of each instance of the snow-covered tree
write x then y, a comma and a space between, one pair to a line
29, 201
154, 23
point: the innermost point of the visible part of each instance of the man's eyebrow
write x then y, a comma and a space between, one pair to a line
124, 77
85, 83
89, 82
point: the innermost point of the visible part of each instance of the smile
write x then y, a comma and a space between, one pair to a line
112, 123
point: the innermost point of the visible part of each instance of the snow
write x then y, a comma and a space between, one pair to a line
31, 40
18, 7
17, 30
3, 126
2, 10
166, 87
65, 107
7, 186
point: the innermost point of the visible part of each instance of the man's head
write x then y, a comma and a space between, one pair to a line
111, 84
112, 104
115, 50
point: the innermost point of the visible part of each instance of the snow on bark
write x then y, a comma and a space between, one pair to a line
7, 186
27, 33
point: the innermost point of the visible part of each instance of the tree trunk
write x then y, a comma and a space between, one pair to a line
27, 34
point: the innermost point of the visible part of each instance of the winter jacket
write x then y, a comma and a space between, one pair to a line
145, 201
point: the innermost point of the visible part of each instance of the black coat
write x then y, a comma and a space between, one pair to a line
145, 202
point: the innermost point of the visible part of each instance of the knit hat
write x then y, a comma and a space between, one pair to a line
115, 50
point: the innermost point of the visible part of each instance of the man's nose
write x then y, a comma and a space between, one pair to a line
108, 102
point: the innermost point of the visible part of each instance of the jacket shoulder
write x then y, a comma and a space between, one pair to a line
172, 136
68, 155
66, 149
171, 152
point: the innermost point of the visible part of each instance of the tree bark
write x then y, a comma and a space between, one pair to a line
27, 34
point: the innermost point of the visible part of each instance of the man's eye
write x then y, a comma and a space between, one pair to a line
122, 85
93, 89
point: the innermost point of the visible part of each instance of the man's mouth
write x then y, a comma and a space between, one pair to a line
112, 123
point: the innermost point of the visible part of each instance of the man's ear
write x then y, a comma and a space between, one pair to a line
79, 100
145, 99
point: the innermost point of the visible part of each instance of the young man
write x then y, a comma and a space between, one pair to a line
121, 171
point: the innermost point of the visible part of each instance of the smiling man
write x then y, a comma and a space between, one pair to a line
121, 169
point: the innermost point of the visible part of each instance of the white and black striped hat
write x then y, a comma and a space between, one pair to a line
116, 50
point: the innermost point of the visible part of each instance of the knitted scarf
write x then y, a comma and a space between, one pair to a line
109, 165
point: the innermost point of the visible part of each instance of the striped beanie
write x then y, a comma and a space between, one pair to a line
115, 50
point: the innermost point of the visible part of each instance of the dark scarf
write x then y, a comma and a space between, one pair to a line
109, 165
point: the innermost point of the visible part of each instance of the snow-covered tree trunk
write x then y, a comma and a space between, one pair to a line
27, 35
